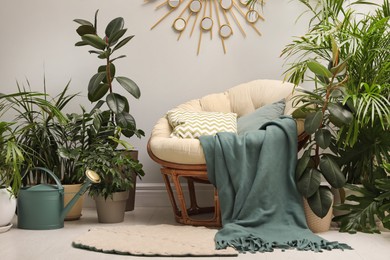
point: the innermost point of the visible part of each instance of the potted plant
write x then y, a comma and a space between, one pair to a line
354, 52
71, 138
101, 85
51, 139
115, 167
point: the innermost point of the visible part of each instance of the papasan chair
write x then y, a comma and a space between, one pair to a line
182, 157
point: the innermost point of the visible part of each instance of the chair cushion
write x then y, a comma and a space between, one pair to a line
192, 124
242, 100
260, 116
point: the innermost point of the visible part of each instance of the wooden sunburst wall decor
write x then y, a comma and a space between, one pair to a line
210, 16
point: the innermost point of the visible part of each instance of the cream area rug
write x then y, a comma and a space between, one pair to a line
153, 240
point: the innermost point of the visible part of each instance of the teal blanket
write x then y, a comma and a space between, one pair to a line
260, 205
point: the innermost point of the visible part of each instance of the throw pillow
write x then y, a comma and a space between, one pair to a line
191, 124
260, 116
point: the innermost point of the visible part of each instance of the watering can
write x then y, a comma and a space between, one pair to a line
42, 206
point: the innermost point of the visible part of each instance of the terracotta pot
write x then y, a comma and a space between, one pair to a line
111, 210
315, 223
69, 191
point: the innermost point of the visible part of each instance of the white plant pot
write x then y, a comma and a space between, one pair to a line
7, 206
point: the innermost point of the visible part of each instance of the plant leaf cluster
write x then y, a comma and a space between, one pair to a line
101, 84
321, 108
346, 55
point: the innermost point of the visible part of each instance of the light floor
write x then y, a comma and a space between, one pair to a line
56, 244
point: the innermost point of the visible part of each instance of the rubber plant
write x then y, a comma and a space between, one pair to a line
101, 84
323, 112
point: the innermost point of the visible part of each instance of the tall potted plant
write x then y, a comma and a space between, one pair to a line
360, 42
50, 139
116, 118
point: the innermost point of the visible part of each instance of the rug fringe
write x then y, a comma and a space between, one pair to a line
254, 244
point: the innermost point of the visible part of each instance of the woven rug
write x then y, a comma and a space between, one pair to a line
153, 240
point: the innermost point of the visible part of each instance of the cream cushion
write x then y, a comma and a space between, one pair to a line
242, 99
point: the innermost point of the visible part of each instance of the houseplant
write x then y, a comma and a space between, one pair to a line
115, 167
115, 118
50, 138
362, 43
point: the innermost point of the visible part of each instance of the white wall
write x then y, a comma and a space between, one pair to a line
38, 37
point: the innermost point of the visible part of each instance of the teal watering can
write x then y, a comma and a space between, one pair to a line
42, 206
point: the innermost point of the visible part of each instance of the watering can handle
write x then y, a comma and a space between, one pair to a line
58, 182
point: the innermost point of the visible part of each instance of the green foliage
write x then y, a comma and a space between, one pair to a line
347, 57
372, 201
116, 168
101, 84
11, 158
40, 131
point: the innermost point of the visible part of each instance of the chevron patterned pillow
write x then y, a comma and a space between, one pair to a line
191, 124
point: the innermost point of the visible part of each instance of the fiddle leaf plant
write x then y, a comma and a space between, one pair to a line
101, 84
323, 111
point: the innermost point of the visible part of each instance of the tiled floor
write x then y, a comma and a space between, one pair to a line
56, 244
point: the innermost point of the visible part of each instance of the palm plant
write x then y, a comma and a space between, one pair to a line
364, 45
360, 42
37, 117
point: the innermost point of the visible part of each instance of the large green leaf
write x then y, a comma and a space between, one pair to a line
86, 29
127, 122
332, 172
340, 114
313, 121
319, 69
95, 81
309, 182
130, 86
116, 102
321, 202
302, 164
114, 26
122, 42
94, 41
116, 36
323, 138
96, 89
98, 92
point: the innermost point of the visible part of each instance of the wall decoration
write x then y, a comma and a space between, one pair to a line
212, 17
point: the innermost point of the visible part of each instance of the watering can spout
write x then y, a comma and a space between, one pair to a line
92, 177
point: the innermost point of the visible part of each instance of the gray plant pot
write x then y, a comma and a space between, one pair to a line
111, 210
131, 200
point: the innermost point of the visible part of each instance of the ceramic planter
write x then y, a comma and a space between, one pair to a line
111, 210
7, 206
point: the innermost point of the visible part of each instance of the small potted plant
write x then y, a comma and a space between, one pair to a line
115, 167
